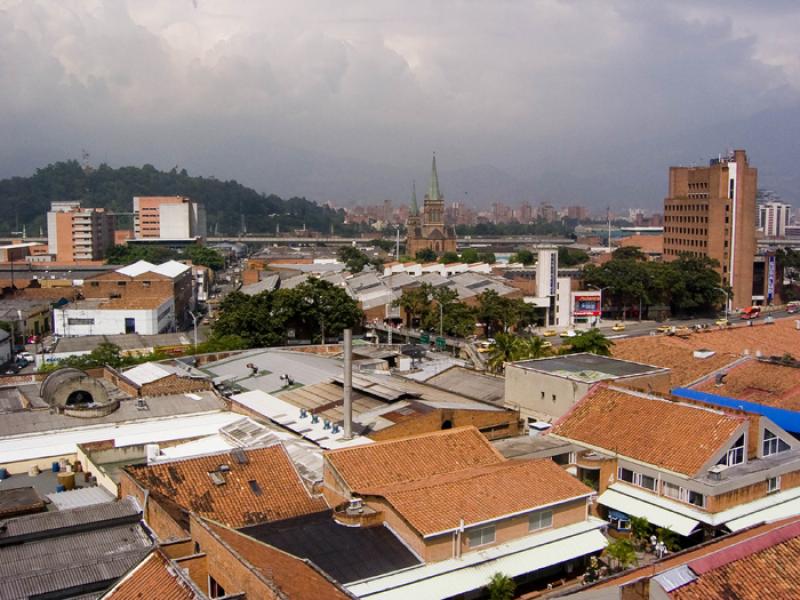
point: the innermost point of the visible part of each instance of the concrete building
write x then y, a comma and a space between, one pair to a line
428, 230
710, 211
76, 234
146, 316
168, 218
549, 387
773, 217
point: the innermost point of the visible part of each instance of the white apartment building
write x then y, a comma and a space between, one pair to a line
773, 217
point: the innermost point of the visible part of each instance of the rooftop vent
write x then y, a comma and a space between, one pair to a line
217, 478
355, 507
224, 468
703, 353
303, 413
141, 404
717, 472
719, 379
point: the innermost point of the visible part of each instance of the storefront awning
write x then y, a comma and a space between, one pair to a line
656, 515
773, 513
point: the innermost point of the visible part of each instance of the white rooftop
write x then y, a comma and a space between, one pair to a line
171, 268
147, 373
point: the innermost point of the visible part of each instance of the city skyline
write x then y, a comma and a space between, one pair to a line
524, 101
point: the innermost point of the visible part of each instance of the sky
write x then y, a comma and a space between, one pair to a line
583, 102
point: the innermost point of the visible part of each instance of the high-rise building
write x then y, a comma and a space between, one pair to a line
168, 218
76, 234
710, 211
773, 217
577, 212
428, 230
547, 212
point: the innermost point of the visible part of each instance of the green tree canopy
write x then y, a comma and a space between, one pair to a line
501, 587
449, 257
425, 255
207, 257
526, 257
590, 341
353, 258
570, 257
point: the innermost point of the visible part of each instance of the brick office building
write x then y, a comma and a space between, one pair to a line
168, 218
76, 234
710, 211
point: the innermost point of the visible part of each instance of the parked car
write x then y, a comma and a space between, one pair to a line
618, 327
722, 322
549, 332
26, 355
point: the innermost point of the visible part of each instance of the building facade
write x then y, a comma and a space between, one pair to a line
710, 211
773, 217
168, 218
76, 234
428, 230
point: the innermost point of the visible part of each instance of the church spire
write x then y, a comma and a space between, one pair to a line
433, 192
414, 206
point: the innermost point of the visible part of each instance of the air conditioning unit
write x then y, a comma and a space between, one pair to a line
717, 472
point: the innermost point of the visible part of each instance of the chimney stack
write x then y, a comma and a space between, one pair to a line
348, 384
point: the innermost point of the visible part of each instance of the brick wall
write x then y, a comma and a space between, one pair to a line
173, 384
157, 517
225, 566
497, 424
749, 494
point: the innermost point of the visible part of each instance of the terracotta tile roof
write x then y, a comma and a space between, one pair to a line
412, 458
775, 339
481, 494
277, 492
761, 382
670, 435
764, 567
154, 573
671, 352
297, 578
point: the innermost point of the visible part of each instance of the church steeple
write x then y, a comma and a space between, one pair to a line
433, 192
414, 205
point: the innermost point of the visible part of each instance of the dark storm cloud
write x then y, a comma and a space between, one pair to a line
346, 100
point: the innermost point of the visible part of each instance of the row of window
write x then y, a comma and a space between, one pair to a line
672, 252
480, 536
685, 208
77, 321
685, 242
686, 219
667, 489
700, 185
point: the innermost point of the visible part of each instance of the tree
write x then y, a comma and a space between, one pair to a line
425, 255
569, 257
506, 348
321, 307
591, 341
449, 257
487, 257
669, 538
622, 552
534, 347
416, 302
501, 587
125, 255
628, 253
202, 255
470, 255
261, 320
526, 257
385, 245
353, 258
640, 529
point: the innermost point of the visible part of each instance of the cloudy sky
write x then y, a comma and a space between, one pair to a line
345, 101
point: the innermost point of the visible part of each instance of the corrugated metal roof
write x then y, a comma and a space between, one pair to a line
675, 578
65, 519
90, 496
147, 373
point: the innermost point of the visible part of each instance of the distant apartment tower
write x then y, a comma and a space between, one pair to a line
710, 211
773, 217
579, 213
168, 218
76, 234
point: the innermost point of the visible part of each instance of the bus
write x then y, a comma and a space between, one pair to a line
751, 312
793, 307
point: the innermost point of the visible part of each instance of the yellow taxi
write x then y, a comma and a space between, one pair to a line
618, 327
549, 333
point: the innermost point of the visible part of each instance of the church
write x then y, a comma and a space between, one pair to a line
427, 230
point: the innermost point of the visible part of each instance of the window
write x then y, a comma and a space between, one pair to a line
773, 444
625, 475
670, 490
540, 520
734, 456
696, 498
481, 536
122, 283
94, 284
773, 484
77, 321
647, 482
215, 590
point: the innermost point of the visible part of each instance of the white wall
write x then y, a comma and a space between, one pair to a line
5, 350
176, 221
112, 321
564, 302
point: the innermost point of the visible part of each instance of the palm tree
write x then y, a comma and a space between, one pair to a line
640, 530
591, 341
501, 587
506, 348
534, 347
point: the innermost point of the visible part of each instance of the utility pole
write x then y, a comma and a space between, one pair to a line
608, 217
194, 325
397, 243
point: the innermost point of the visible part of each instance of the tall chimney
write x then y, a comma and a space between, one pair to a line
348, 384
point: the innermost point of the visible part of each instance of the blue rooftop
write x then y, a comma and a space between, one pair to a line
787, 419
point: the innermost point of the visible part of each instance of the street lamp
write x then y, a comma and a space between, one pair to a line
727, 300
601, 290
194, 324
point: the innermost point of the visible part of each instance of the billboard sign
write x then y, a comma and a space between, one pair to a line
770, 278
586, 305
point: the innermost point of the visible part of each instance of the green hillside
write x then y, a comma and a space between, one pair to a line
25, 200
